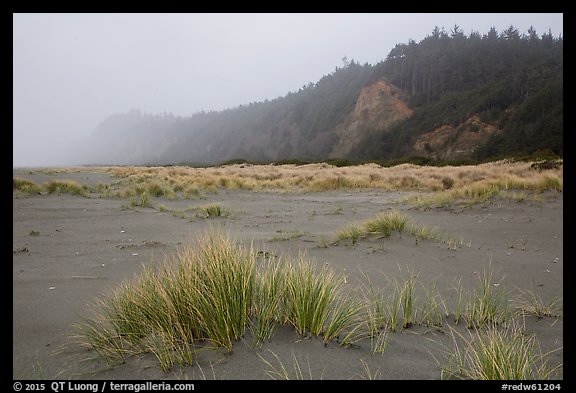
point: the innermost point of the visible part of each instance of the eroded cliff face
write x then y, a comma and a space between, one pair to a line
379, 106
452, 143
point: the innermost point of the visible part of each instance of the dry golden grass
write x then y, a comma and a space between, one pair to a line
324, 177
445, 185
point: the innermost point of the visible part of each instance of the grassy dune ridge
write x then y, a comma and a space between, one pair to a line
445, 185
324, 177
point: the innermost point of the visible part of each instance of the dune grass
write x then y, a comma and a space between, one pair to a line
51, 187
398, 306
385, 224
471, 183
25, 186
214, 290
268, 299
143, 200
445, 185
488, 302
433, 309
214, 210
310, 298
66, 187
350, 231
211, 292
530, 303
482, 192
205, 295
495, 353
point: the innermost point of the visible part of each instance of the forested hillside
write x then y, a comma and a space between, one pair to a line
450, 96
509, 80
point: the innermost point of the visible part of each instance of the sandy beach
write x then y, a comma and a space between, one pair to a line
70, 250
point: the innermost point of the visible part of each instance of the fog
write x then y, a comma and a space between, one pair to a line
71, 71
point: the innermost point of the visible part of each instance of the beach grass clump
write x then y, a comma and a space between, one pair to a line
495, 353
425, 232
391, 309
268, 299
310, 294
350, 231
65, 187
377, 319
476, 193
25, 186
483, 191
143, 200
433, 309
550, 182
376, 308
159, 189
488, 302
385, 224
207, 295
222, 275
530, 303
213, 210
99, 334
404, 292
191, 192
345, 319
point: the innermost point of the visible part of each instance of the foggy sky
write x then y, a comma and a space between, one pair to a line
70, 71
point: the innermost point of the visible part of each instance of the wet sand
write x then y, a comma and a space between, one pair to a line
86, 247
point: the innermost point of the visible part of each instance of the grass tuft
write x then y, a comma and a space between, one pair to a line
310, 293
211, 292
493, 353
212, 210
66, 187
142, 201
386, 223
530, 303
487, 304
26, 186
268, 298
